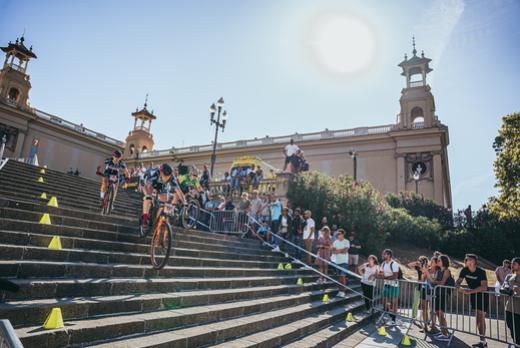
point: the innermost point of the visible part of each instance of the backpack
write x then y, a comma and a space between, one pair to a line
399, 271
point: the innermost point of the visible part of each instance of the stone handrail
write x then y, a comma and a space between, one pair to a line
76, 127
326, 134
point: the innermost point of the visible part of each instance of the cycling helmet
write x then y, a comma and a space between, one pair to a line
165, 169
116, 154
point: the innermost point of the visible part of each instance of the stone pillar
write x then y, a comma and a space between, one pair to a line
401, 174
19, 145
438, 185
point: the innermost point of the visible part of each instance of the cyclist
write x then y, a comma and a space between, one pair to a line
113, 167
164, 183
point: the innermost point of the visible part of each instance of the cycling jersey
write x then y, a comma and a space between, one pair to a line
185, 182
113, 168
153, 176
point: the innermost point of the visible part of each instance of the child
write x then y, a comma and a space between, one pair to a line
324, 251
265, 232
340, 249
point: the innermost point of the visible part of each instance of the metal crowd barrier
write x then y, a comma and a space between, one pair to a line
229, 221
495, 312
8, 338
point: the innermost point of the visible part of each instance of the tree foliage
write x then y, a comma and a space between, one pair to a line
507, 168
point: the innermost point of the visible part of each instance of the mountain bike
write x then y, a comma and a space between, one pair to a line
189, 208
107, 204
161, 244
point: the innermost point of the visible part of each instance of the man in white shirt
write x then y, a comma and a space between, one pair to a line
389, 271
340, 248
308, 233
290, 151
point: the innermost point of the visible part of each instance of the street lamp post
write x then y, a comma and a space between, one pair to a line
218, 111
353, 155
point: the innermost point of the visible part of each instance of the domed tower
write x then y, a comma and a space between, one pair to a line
14, 80
417, 102
140, 139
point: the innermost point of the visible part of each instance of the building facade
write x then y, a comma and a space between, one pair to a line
36, 136
410, 155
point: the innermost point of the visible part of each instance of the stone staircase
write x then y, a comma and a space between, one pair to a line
216, 290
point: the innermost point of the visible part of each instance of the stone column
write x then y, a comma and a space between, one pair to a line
438, 185
19, 145
401, 174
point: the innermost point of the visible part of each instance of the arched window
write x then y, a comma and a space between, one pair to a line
417, 117
13, 94
145, 149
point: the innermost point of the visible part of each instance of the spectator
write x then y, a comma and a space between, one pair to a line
33, 153
324, 251
290, 152
427, 292
340, 249
235, 178
244, 206
308, 233
276, 211
205, 177
242, 177
227, 183
265, 212
256, 205
251, 176
285, 224
272, 174
333, 232
296, 232
502, 272
353, 252
476, 279
468, 215
513, 303
259, 175
265, 233
443, 278
437, 254
389, 272
229, 206
419, 265
368, 272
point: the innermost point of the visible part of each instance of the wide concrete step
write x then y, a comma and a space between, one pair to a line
203, 335
356, 338
75, 243
35, 269
320, 330
80, 232
46, 288
70, 203
336, 329
35, 311
18, 252
89, 199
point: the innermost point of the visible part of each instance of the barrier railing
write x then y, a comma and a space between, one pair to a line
229, 221
486, 314
8, 338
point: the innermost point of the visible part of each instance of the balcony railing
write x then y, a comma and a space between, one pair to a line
76, 127
326, 134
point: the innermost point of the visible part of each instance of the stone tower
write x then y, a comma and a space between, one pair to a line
140, 139
417, 102
14, 80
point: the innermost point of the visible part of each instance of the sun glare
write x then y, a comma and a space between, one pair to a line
342, 43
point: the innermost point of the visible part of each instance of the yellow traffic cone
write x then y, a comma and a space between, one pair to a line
42, 171
280, 267
43, 195
53, 202
299, 281
54, 320
406, 341
40, 179
381, 331
288, 267
46, 219
55, 243
350, 317
325, 298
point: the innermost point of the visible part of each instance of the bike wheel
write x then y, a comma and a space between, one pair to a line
106, 202
190, 214
161, 245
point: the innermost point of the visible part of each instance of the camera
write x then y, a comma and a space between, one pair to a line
506, 289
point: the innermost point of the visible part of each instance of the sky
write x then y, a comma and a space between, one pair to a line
278, 66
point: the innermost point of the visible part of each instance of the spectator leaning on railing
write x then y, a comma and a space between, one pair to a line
308, 233
368, 272
502, 272
476, 279
511, 287
295, 236
389, 272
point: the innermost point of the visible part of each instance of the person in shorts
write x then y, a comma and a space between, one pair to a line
353, 252
476, 279
389, 272
340, 248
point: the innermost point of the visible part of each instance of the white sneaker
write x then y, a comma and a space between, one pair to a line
276, 249
341, 294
